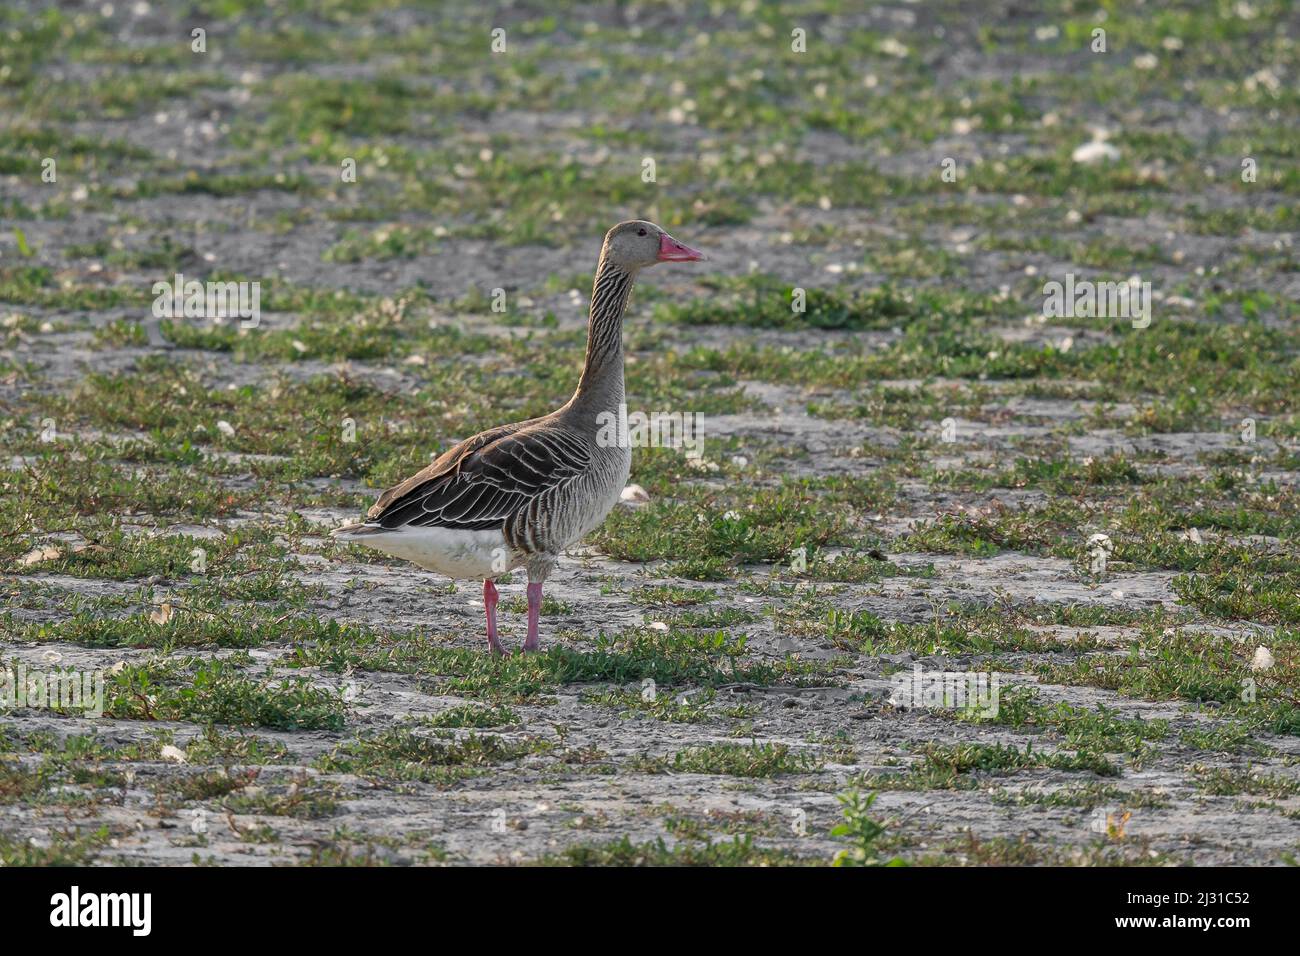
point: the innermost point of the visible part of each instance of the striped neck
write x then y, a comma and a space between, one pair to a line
601, 384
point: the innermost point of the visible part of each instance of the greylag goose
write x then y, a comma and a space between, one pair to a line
518, 495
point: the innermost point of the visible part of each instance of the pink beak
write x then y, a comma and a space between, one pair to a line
670, 250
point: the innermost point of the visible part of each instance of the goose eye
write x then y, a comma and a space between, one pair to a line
640, 232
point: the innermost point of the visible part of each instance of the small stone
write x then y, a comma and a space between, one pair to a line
634, 494
1095, 151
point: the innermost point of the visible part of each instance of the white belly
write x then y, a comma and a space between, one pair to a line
454, 552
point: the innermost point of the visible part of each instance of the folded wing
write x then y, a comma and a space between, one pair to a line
484, 481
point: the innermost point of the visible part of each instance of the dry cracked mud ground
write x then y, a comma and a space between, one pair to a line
942, 453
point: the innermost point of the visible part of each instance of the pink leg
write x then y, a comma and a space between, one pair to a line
534, 615
490, 604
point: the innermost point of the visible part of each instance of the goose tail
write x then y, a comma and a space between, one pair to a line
349, 532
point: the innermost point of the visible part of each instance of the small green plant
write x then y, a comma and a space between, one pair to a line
863, 832
23, 248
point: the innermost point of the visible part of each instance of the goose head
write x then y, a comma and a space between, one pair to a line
637, 244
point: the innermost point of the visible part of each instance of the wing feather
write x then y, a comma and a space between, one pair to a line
486, 480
